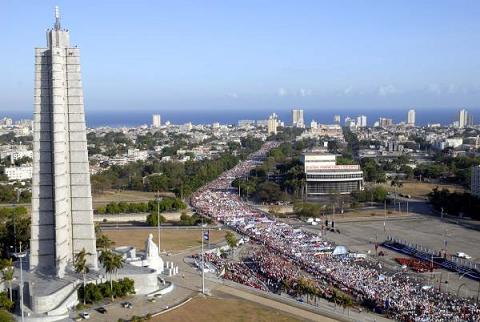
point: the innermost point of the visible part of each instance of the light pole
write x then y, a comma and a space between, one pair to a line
17, 200
20, 255
203, 262
158, 199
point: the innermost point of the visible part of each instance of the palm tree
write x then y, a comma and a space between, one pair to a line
111, 263
8, 273
80, 264
104, 242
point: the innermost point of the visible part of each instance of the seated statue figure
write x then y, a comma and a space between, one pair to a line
151, 249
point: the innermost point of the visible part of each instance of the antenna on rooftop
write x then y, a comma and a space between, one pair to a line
57, 18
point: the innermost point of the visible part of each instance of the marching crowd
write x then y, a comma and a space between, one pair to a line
287, 251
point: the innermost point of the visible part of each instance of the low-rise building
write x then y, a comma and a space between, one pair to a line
323, 175
19, 173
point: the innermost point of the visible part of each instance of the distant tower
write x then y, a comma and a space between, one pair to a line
272, 124
336, 119
411, 117
62, 215
361, 121
297, 118
465, 119
156, 120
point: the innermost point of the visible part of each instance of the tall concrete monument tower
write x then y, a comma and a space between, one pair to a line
62, 215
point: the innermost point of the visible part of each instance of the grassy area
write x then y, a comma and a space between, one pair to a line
422, 189
171, 239
231, 310
369, 213
100, 199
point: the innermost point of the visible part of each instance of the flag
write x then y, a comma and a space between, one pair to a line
206, 235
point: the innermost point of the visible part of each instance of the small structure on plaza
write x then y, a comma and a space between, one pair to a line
150, 258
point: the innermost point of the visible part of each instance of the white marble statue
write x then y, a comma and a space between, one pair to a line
151, 249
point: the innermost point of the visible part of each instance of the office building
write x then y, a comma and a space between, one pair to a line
156, 120
297, 118
411, 117
323, 176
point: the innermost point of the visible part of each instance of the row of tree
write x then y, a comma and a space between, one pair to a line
455, 203
166, 204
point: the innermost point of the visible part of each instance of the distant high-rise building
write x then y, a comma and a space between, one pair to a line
384, 122
362, 121
349, 122
156, 120
411, 117
297, 118
313, 124
336, 119
465, 119
272, 124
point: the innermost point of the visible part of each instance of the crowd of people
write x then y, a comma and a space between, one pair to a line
289, 251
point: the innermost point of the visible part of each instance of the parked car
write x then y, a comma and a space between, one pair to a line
101, 310
127, 305
85, 315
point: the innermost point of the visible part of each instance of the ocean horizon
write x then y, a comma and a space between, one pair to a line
127, 118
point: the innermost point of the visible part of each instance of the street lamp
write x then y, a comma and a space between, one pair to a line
158, 199
20, 255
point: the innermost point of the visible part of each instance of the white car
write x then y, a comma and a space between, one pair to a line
85, 315
463, 255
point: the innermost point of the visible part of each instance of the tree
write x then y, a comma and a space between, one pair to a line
269, 191
81, 267
231, 239
111, 263
7, 268
8, 272
6, 316
5, 302
152, 219
104, 242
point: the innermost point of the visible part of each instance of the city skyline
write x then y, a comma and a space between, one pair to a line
427, 63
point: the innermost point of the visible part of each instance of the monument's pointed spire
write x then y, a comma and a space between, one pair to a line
57, 18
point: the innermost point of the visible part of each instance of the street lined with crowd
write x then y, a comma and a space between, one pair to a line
287, 254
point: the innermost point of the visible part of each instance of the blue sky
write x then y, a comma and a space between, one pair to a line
158, 55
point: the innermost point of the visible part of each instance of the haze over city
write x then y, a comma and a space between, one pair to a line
239, 161
272, 55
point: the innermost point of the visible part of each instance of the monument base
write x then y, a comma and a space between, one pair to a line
48, 298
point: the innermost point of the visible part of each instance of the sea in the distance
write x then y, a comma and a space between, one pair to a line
132, 118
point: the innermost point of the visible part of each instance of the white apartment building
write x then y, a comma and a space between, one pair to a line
411, 117
19, 173
272, 124
297, 118
361, 121
156, 120
465, 119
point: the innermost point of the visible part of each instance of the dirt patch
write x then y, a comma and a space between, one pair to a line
232, 310
171, 239
422, 189
100, 199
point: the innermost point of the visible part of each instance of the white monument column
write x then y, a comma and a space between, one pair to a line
62, 213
